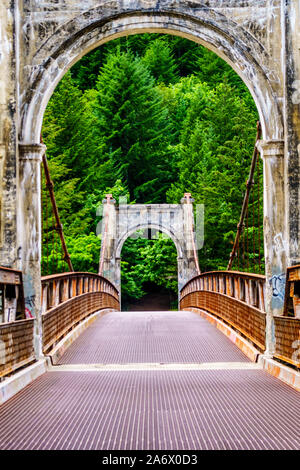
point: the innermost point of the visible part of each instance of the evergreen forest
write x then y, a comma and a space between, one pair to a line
148, 117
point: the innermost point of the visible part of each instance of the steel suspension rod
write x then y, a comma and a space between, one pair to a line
58, 226
249, 185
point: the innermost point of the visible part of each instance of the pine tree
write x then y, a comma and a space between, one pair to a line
133, 128
161, 63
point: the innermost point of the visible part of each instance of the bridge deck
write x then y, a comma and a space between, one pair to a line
146, 337
227, 403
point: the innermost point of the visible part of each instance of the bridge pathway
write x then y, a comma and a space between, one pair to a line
152, 380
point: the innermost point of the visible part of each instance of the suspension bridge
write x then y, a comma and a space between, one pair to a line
209, 376
222, 372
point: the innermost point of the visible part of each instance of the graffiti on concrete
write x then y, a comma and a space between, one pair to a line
29, 306
278, 286
279, 244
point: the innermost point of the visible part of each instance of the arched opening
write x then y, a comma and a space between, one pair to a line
74, 40
149, 273
61, 47
214, 262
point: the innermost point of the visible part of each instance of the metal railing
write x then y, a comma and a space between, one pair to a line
235, 297
69, 298
239, 299
287, 327
16, 332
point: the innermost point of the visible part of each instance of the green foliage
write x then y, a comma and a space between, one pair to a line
147, 261
161, 63
133, 127
148, 117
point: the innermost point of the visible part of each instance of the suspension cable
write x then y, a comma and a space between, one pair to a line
58, 226
249, 185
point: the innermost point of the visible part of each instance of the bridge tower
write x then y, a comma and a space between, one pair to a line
124, 220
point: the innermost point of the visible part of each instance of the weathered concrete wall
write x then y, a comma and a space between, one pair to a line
41, 39
291, 51
8, 133
56, 34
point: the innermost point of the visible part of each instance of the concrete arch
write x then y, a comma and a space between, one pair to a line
132, 230
242, 51
120, 221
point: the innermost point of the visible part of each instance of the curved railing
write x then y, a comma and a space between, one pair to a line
287, 327
235, 297
69, 298
16, 332
239, 299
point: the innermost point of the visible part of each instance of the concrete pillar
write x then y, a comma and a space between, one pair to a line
107, 264
291, 103
188, 238
29, 233
272, 153
8, 133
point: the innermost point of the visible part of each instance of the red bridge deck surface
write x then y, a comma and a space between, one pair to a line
153, 409
168, 337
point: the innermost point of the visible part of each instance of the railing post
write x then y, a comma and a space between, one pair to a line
237, 292
74, 286
86, 284
242, 289
65, 290
44, 297
227, 285
56, 292
247, 291
261, 300
80, 285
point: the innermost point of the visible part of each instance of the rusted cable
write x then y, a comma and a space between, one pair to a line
42, 221
247, 239
238, 254
58, 226
246, 198
244, 250
253, 228
53, 243
47, 237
